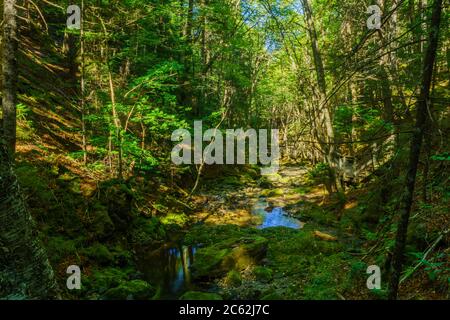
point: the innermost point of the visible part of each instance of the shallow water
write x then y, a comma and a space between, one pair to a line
276, 217
169, 266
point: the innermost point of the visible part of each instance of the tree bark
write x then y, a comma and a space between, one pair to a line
416, 144
25, 272
9, 64
328, 142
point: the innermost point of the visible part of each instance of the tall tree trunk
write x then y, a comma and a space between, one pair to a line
328, 142
25, 272
416, 144
9, 64
83, 89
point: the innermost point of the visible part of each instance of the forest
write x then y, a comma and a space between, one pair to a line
225, 150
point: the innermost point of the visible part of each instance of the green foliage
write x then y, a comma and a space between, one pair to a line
99, 253
233, 278
320, 173
263, 274
441, 157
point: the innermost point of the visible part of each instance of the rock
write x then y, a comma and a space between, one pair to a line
197, 295
131, 290
244, 255
324, 236
216, 260
207, 262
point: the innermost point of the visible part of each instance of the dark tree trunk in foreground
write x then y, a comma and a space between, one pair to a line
9, 65
25, 272
416, 144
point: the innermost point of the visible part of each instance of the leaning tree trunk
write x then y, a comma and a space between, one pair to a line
416, 144
25, 272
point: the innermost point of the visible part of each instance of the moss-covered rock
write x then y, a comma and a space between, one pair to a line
99, 253
273, 193
196, 295
131, 290
175, 220
249, 252
233, 254
208, 262
263, 274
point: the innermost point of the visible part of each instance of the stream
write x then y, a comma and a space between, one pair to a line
274, 217
169, 265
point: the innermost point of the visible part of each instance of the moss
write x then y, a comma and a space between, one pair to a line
265, 183
101, 225
233, 278
226, 255
273, 193
303, 190
175, 220
263, 274
131, 290
318, 215
232, 181
122, 257
145, 230
99, 253
328, 277
59, 248
32, 180
102, 280
207, 262
249, 252
196, 295
272, 296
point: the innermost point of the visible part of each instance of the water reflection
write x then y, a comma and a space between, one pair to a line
274, 217
168, 266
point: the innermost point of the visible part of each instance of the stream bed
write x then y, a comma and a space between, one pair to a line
169, 265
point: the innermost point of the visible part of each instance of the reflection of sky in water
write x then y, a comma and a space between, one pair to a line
275, 218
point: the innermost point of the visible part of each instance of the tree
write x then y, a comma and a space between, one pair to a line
25, 271
415, 148
9, 64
